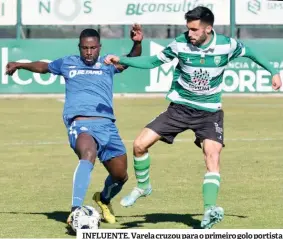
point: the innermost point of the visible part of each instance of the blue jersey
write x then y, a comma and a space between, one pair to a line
89, 89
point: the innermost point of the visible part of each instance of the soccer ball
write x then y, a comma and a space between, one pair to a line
85, 217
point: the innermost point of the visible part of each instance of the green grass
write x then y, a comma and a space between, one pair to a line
37, 167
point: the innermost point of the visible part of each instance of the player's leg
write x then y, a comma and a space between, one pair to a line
118, 176
117, 168
165, 128
213, 214
86, 151
210, 132
85, 147
141, 165
114, 158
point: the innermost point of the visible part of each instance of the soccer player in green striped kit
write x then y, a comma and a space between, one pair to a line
195, 96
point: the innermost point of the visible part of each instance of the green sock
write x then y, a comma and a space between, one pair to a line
210, 189
141, 166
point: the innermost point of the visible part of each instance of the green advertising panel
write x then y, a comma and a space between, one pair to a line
132, 80
241, 76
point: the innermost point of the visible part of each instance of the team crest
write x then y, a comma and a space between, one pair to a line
202, 61
97, 65
217, 60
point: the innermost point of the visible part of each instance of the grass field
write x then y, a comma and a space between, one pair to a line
37, 168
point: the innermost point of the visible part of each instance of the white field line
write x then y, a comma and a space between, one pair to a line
260, 105
257, 105
137, 95
60, 98
62, 142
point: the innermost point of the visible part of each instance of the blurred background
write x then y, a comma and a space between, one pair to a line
267, 29
29, 27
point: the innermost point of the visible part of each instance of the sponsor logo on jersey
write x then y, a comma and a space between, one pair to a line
74, 73
200, 81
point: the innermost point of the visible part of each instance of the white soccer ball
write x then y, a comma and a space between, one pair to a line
85, 217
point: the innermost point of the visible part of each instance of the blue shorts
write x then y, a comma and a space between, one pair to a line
104, 132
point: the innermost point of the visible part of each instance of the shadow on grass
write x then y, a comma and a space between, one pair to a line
186, 219
135, 221
153, 218
59, 216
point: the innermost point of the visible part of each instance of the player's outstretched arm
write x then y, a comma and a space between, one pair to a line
142, 62
260, 60
146, 62
37, 66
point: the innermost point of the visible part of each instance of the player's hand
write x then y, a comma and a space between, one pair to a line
110, 59
136, 33
11, 67
276, 82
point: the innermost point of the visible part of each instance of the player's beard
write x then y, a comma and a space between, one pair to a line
90, 62
201, 40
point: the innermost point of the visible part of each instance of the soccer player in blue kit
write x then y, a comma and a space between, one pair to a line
88, 115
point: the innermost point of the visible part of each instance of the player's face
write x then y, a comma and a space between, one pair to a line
198, 32
89, 49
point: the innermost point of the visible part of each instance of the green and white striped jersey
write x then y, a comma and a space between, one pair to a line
197, 80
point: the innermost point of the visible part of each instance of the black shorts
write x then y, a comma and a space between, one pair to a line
178, 118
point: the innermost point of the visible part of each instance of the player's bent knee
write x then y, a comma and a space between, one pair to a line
139, 148
124, 178
121, 178
88, 154
144, 141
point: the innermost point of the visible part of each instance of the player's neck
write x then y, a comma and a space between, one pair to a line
207, 42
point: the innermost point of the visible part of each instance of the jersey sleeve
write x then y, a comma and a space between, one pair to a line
237, 49
169, 53
55, 66
114, 69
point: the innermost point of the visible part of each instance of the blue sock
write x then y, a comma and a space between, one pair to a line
81, 181
110, 190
